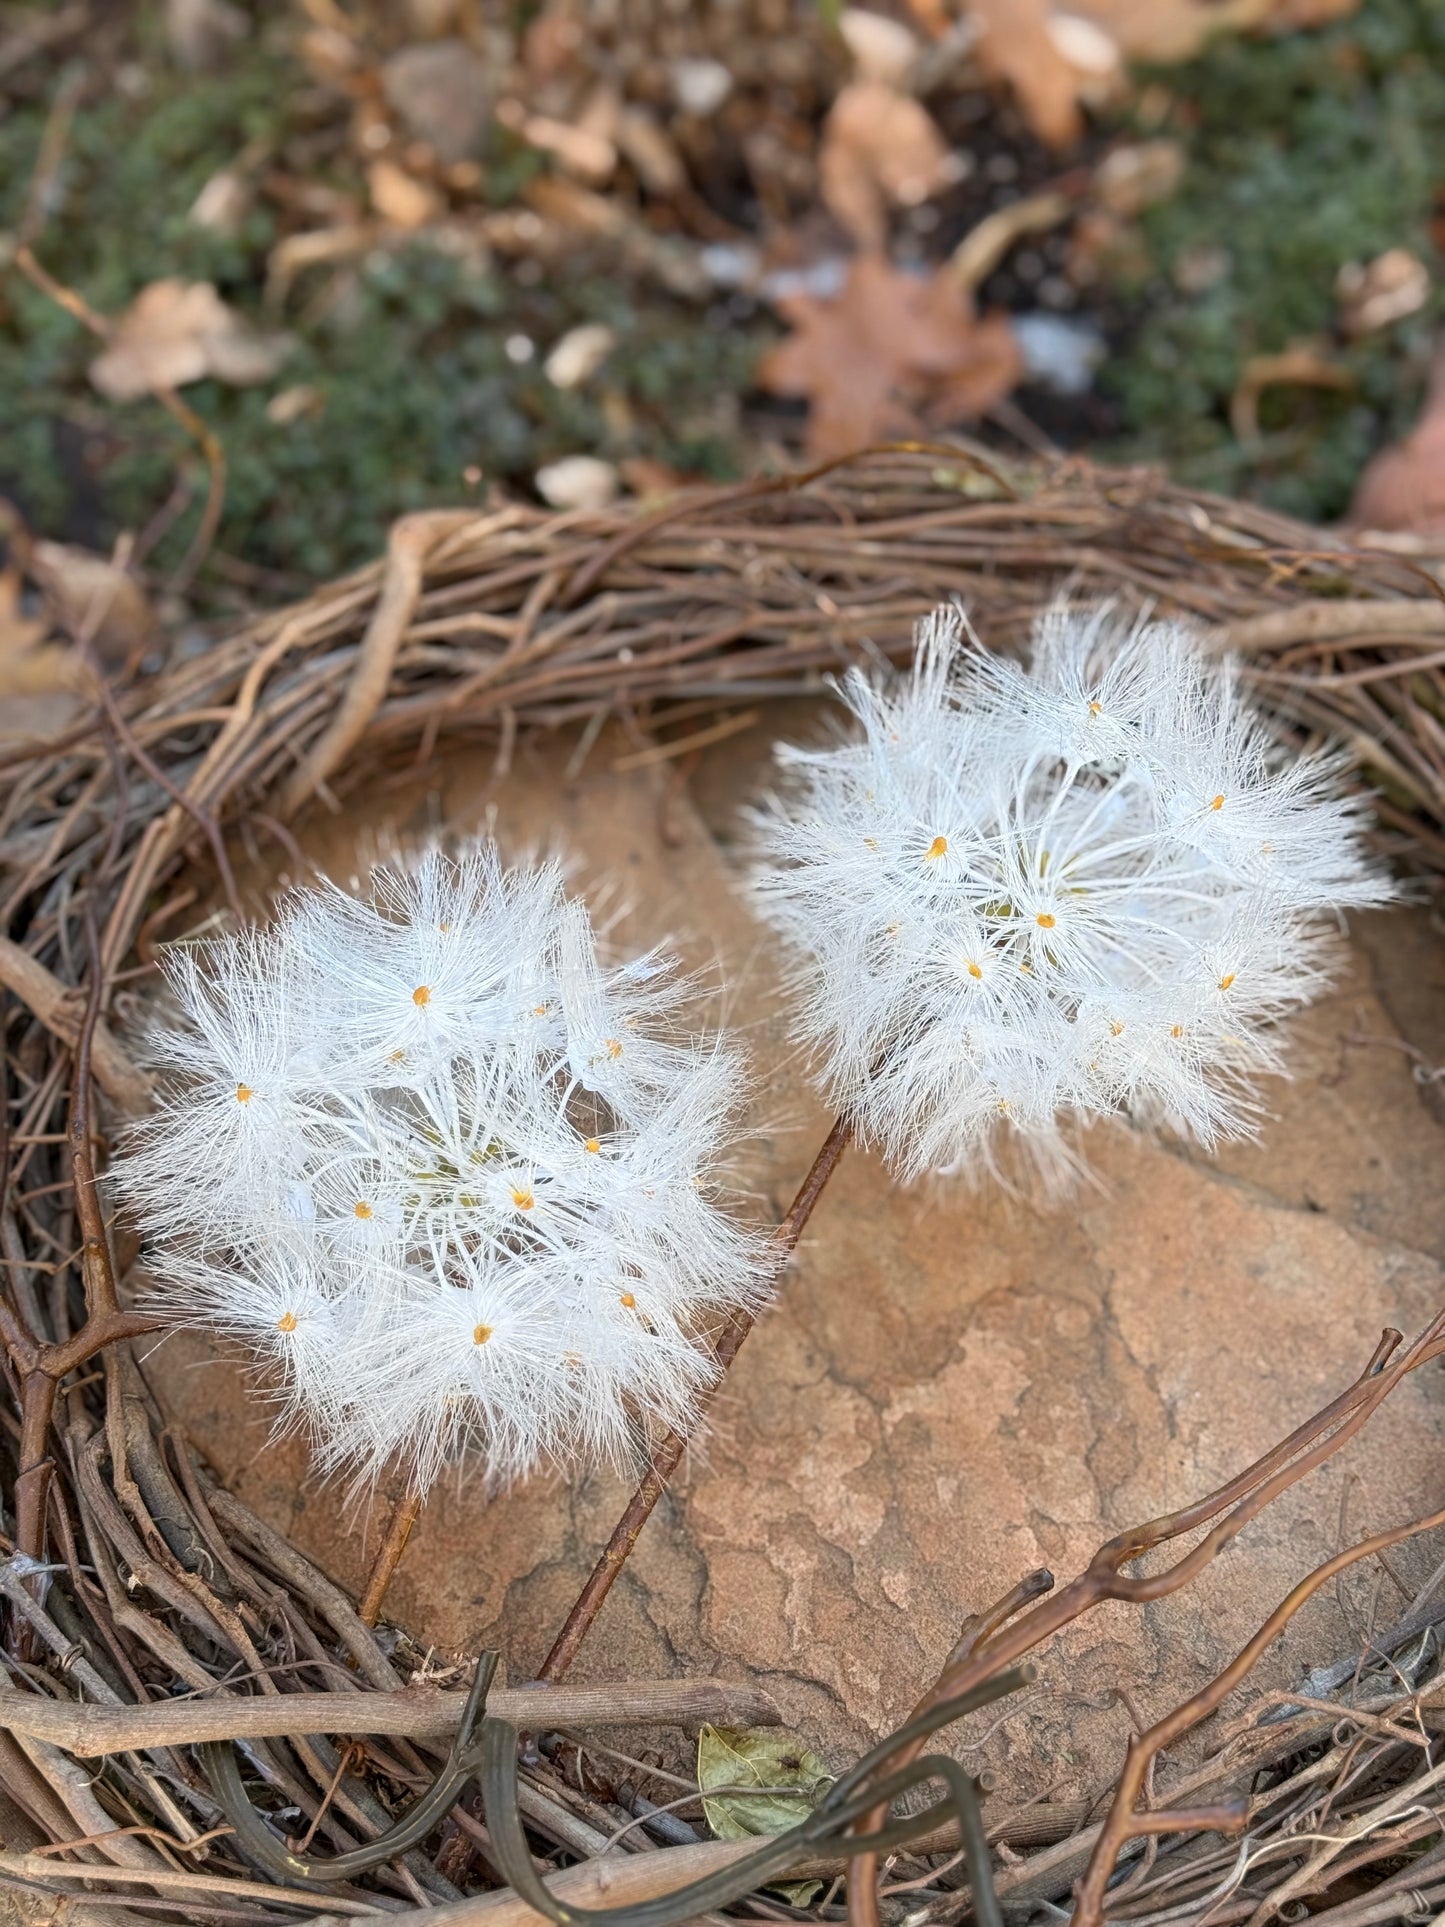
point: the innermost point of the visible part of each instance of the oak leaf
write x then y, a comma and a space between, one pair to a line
890, 351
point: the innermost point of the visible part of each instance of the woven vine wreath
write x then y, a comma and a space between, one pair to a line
154, 1622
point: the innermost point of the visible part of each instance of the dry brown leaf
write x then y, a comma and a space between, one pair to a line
1165, 31
1015, 45
1303, 364
40, 680
401, 198
879, 148
313, 248
296, 404
1373, 294
20, 635
646, 144
891, 349
883, 49
1138, 175
1404, 487
88, 595
176, 332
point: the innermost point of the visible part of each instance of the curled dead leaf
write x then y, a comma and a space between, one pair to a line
399, 197
1161, 32
1016, 46
295, 404
41, 679
890, 350
651, 152
176, 332
880, 148
1372, 295
1302, 364
1404, 487
89, 595
883, 49
1138, 175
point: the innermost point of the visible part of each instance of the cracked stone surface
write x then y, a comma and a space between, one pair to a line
954, 1387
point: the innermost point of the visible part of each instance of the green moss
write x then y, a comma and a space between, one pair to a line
1304, 153
407, 354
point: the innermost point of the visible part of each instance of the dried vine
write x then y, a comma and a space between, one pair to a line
149, 1612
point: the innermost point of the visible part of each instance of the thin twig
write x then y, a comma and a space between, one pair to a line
668, 1455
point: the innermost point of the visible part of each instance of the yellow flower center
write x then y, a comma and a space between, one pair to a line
480, 1334
244, 1093
1096, 709
613, 1047
287, 1322
628, 1302
1218, 803
974, 971
593, 1144
1176, 1030
1046, 920
362, 1208
1226, 980
937, 848
1116, 1029
522, 1197
421, 996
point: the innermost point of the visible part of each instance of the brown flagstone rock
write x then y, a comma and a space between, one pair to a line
955, 1386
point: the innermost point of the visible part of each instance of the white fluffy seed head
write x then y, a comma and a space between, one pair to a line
453, 1180
1019, 899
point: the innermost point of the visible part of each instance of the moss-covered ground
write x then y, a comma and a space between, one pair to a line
1303, 153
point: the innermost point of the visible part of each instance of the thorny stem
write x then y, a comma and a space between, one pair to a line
665, 1459
1240, 1501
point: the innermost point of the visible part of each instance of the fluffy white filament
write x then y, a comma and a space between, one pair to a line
1024, 898
451, 1178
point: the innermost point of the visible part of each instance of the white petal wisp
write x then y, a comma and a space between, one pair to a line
1021, 898
449, 1177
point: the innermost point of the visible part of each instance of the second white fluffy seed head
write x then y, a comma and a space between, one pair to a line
1023, 898
453, 1179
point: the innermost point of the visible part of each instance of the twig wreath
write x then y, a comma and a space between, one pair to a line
459, 1178
156, 1613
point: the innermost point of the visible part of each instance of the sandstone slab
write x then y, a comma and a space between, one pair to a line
954, 1386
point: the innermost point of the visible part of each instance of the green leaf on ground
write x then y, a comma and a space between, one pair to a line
789, 1778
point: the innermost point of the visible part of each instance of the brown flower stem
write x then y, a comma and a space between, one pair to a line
403, 1518
665, 1459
